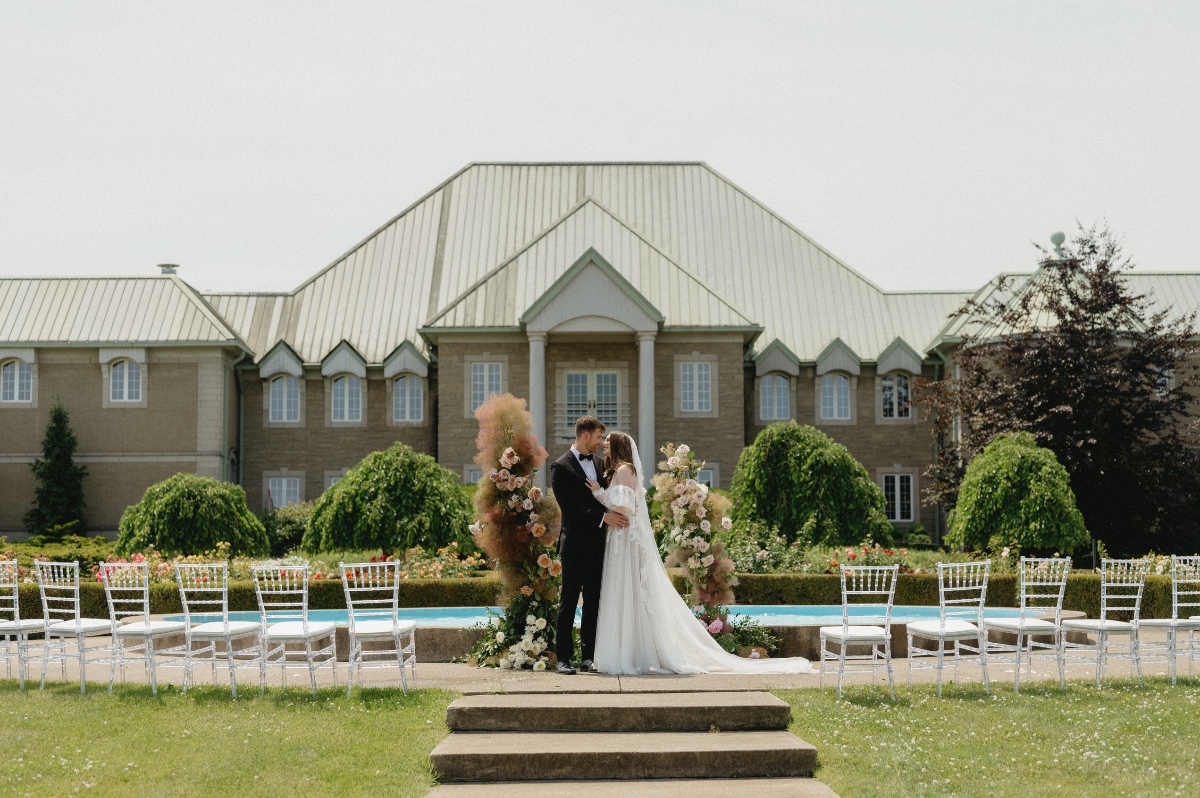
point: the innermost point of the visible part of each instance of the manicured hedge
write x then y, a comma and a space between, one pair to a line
1083, 593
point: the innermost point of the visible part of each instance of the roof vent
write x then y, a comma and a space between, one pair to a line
168, 268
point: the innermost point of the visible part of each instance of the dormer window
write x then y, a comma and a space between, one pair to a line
835, 397
895, 396
285, 399
407, 398
16, 381
775, 403
347, 398
125, 381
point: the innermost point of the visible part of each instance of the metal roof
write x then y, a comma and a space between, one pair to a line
160, 309
735, 256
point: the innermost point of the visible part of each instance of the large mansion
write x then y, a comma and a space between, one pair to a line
660, 297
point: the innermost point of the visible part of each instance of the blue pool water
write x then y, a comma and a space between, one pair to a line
770, 615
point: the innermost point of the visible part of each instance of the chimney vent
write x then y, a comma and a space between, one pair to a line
168, 268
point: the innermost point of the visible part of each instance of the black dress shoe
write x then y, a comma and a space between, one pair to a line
587, 666
564, 669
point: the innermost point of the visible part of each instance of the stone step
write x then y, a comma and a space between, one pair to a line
619, 712
654, 788
552, 756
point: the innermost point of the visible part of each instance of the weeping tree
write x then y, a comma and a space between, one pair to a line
58, 497
796, 479
1093, 371
1016, 493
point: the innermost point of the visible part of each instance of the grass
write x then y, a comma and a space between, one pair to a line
58, 742
1121, 740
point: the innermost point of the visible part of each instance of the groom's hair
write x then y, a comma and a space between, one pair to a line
587, 424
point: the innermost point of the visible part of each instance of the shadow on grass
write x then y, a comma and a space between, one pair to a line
974, 692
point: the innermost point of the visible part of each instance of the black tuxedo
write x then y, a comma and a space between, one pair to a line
581, 548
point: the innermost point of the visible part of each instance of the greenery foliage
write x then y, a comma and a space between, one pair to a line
796, 479
190, 514
391, 500
1016, 493
1105, 383
285, 526
58, 496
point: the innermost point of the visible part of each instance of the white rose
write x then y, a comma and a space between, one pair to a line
541, 623
499, 637
495, 620
707, 561
527, 504
673, 462
693, 563
530, 619
533, 517
682, 450
697, 542
705, 525
727, 523
703, 547
540, 665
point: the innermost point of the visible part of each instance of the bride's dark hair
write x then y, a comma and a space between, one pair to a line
620, 451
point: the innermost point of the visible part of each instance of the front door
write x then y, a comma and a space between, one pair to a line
596, 393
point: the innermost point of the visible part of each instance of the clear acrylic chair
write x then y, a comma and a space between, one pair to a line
373, 602
15, 630
870, 590
1042, 585
282, 592
134, 635
204, 594
962, 593
1121, 587
59, 586
1185, 599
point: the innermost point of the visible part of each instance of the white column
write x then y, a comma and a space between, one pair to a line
537, 394
646, 441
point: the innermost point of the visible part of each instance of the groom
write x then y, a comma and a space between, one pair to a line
581, 543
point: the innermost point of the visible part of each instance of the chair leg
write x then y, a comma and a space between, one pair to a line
312, 676
841, 668
22, 656
941, 653
1017, 675
1134, 647
912, 658
1101, 643
45, 659
983, 655
117, 652
232, 666
81, 650
1171, 653
887, 658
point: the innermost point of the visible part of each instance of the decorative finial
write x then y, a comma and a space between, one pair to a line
1057, 240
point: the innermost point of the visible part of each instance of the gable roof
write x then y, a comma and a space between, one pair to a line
77, 311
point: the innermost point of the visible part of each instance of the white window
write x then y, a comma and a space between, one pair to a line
331, 481
125, 381
835, 396
283, 491
406, 398
896, 396
472, 475
705, 477
898, 491
285, 399
775, 402
16, 382
595, 393
347, 398
695, 387
485, 381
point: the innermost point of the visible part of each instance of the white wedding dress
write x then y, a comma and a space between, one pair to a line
645, 626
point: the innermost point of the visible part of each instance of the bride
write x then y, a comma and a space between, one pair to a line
644, 625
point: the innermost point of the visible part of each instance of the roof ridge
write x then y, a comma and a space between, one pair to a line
209, 311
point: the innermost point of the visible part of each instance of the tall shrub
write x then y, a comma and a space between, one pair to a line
392, 500
286, 526
1016, 492
190, 514
796, 479
58, 497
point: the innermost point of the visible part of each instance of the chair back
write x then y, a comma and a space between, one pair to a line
1121, 589
203, 590
282, 592
870, 587
1043, 583
10, 591
372, 591
58, 583
962, 590
1185, 586
127, 589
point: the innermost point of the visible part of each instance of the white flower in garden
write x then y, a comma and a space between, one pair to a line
530, 619
683, 449
474, 529
527, 504
727, 523
499, 637
696, 542
505, 663
535, 493
693, 563
705, 525
674, 462
679, 488
533, 517
691, 527
707, 561
702, 546
540, 665
541, 624
496, 621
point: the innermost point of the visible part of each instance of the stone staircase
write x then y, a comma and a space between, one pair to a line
585, 744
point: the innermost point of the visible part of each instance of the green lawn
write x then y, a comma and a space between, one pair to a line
1121, 740
60, 743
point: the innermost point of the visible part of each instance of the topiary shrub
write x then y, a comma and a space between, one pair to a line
392, 500
190, 514
796, 479
1016, 493
285, 526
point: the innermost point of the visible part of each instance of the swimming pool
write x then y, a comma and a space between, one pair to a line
766, 614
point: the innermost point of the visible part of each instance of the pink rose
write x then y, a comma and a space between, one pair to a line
715, 627
535, 493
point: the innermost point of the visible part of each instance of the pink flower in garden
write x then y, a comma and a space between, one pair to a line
535, 493
754, 654
715, 627
139, 557
851, 555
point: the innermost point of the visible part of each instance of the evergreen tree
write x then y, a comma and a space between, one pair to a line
58, 498
1095, 373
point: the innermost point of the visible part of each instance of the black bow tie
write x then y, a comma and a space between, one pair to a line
585, 457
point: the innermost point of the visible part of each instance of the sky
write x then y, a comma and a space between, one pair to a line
927, 145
